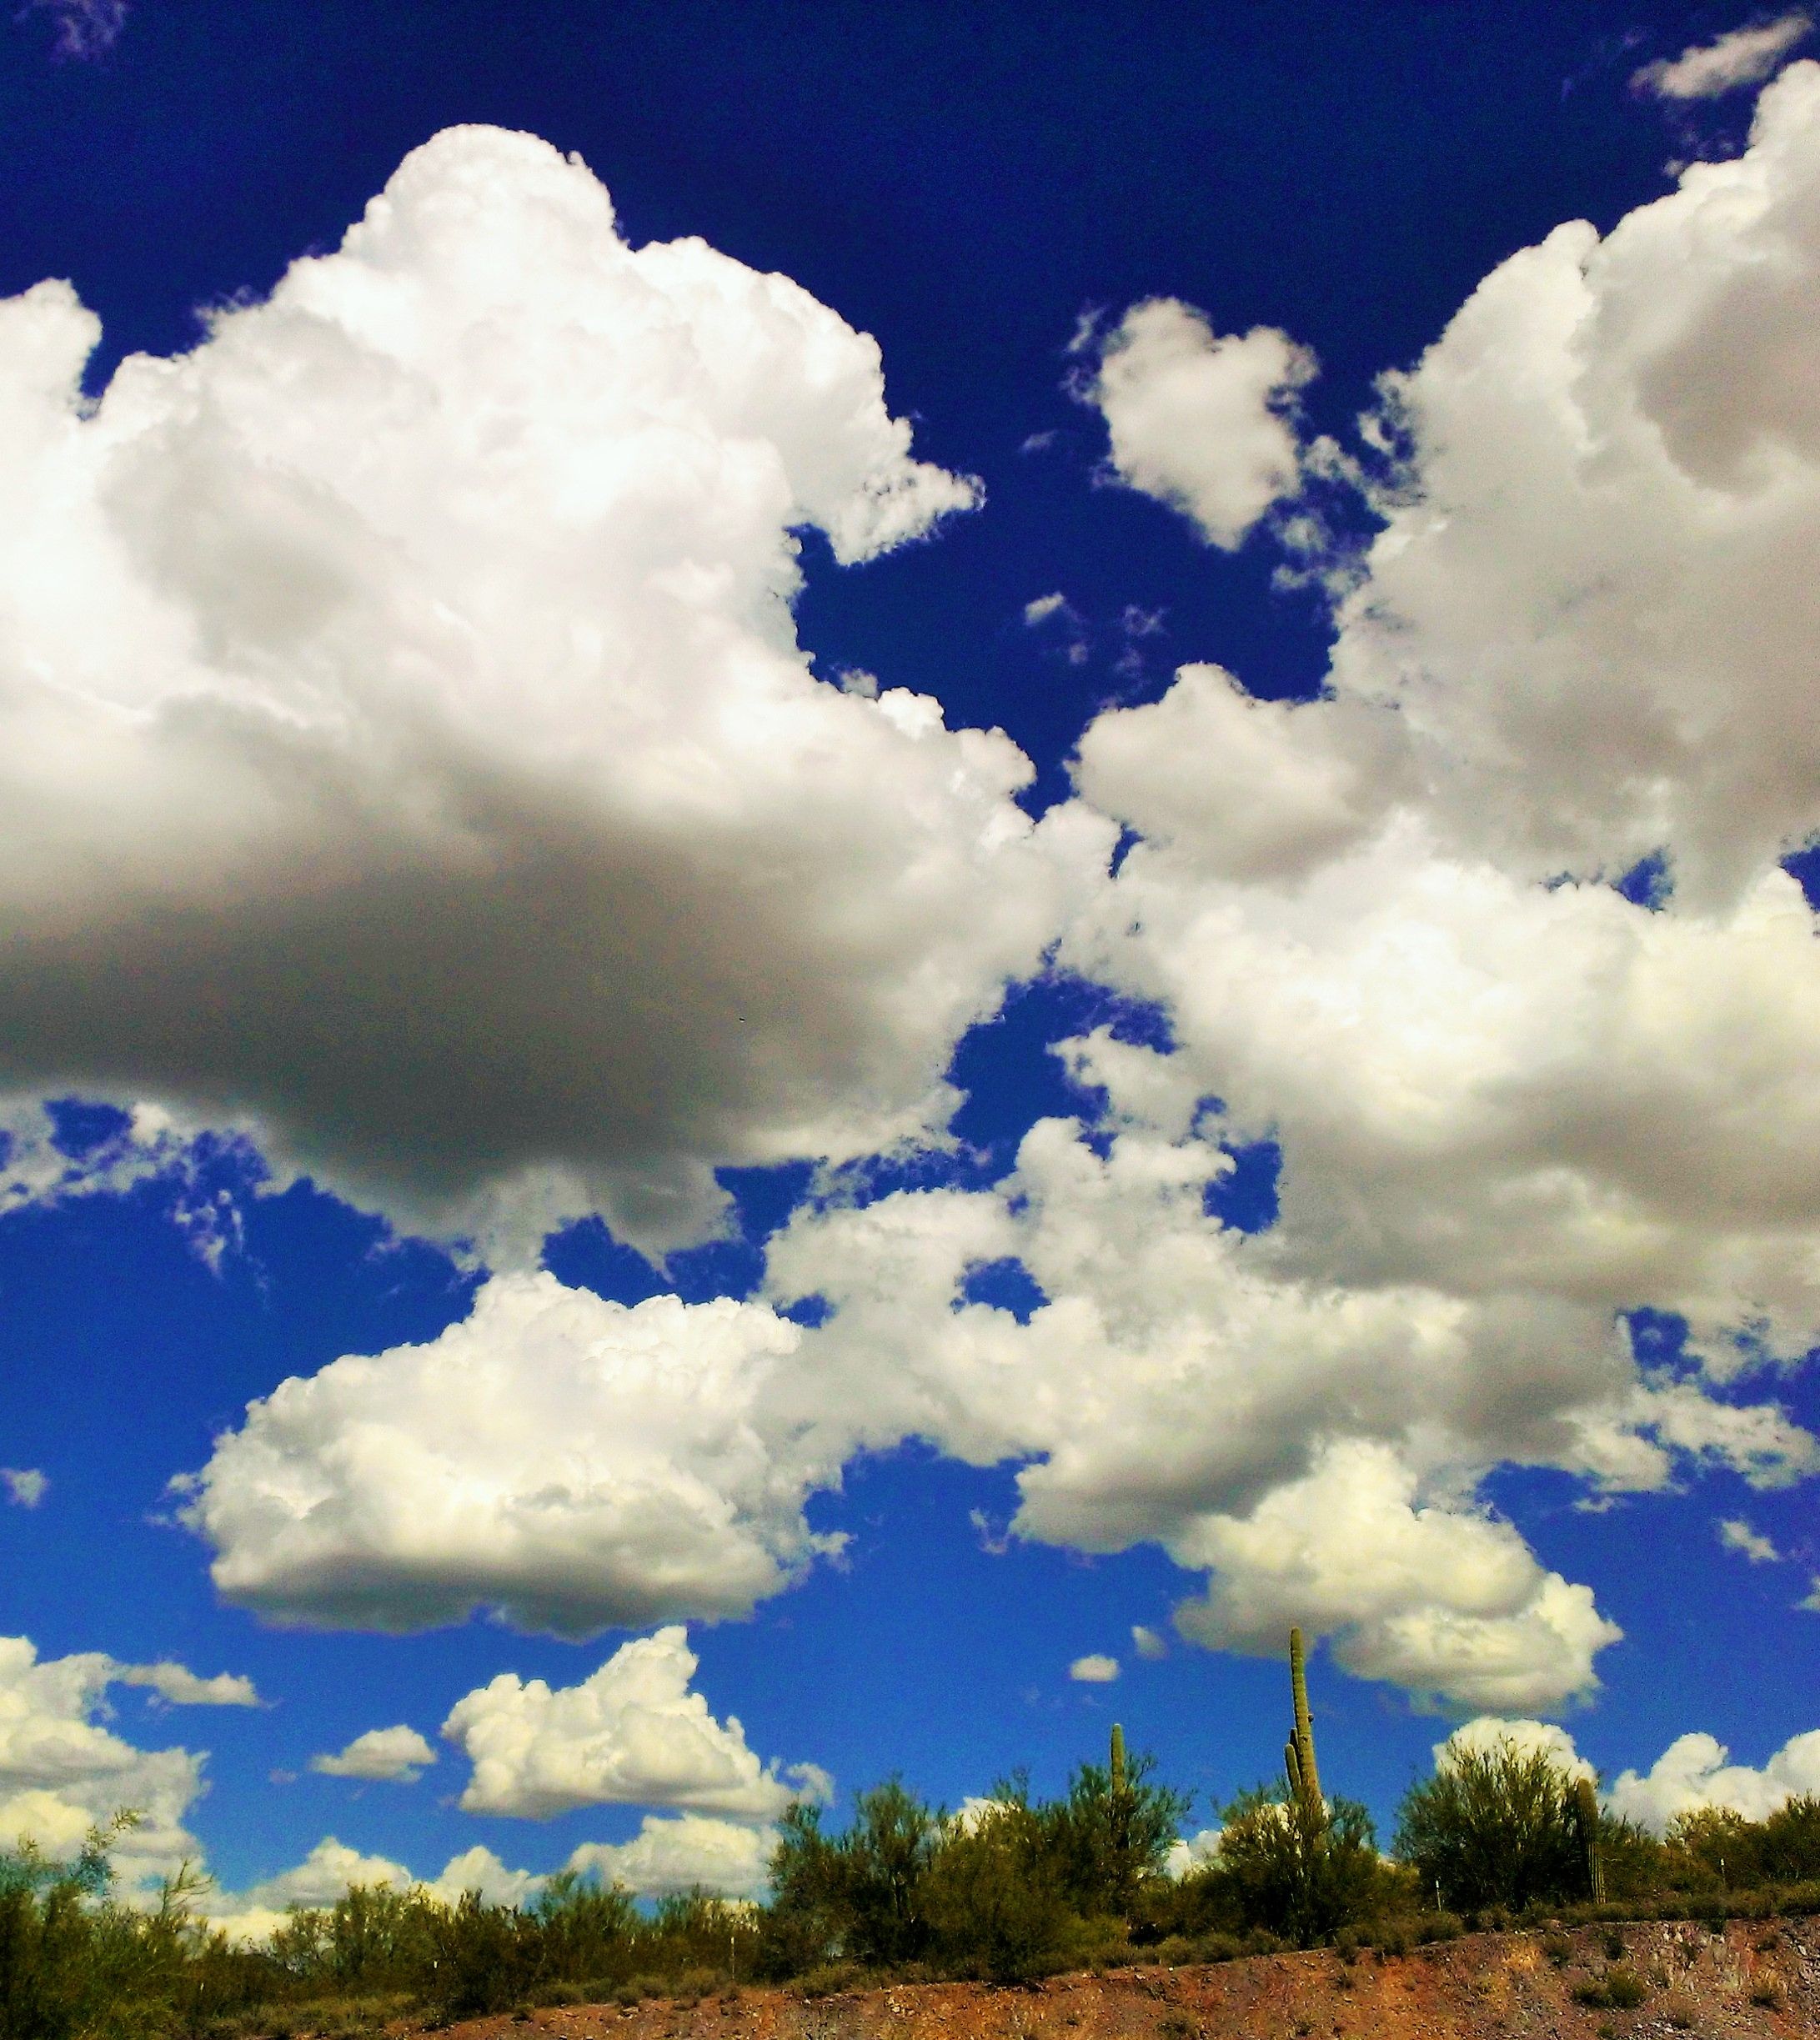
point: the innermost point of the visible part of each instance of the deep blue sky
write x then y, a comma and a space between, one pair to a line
963, 183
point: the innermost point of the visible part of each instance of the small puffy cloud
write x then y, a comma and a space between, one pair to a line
398, 1755
1041, 607
26, 1486
684, 1853
1693, 1771
572, 1462
1095, 1669
61, 1771
1709, 70
1203, 421
1811, 1600
420, 644
632, 1733
1147, 1642
1735, 1535
184, 1689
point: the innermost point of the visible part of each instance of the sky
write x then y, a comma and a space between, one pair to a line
867, 874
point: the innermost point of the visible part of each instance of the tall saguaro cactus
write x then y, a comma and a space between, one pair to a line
1586, 1821
1115, 1763
1299, 1753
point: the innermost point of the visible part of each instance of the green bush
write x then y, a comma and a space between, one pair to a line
1493, 1827
1299, 1871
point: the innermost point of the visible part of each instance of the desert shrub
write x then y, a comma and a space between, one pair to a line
1711, 1847
1492, 1828
1300, 1871
1789, 1850
856, 1896
994, 1893
1106, 1840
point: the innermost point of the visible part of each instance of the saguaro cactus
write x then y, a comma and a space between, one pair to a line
1586, 1821
1116, 1762
1299, 1754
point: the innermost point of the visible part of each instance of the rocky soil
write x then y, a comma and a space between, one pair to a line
1757, 1977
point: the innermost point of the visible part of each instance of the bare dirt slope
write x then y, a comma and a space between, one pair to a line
1755, 1978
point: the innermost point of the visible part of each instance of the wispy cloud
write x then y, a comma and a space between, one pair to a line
1709, 70
85, 28
1095, 1670
25, 1485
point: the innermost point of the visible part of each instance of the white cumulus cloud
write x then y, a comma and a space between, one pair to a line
632, 1733
26, 1486
397, 1755
417, 651
64, 1771
1095, 1669
572, 1462
1200, 419
1693, 1771
683, 1853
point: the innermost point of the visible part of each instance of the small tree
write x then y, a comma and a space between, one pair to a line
1299, 1869
1494, 1826
1111, 1835
1789, 1850
994, 1894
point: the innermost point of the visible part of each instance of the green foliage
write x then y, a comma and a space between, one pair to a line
1789, 1852
1494, 1826
994, 1896
1299, 1870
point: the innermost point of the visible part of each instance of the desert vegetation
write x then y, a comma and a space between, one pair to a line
1011, 1888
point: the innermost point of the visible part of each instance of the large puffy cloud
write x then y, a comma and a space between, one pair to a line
1590, 605
1199, 418
407, 747
61, 1772
1512, 1104
572, 1462
633, 1733
1693, 1773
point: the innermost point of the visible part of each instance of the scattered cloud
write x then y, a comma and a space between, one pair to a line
1039, 609
1148, 1643
1094, 1670
1709, 70
398, 1756
332, 1868
1738, 1535
62, 1771
183, 1688
1201, 420
1693, 1771
688, 1852
26, 1486
85, 28
633, 1733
